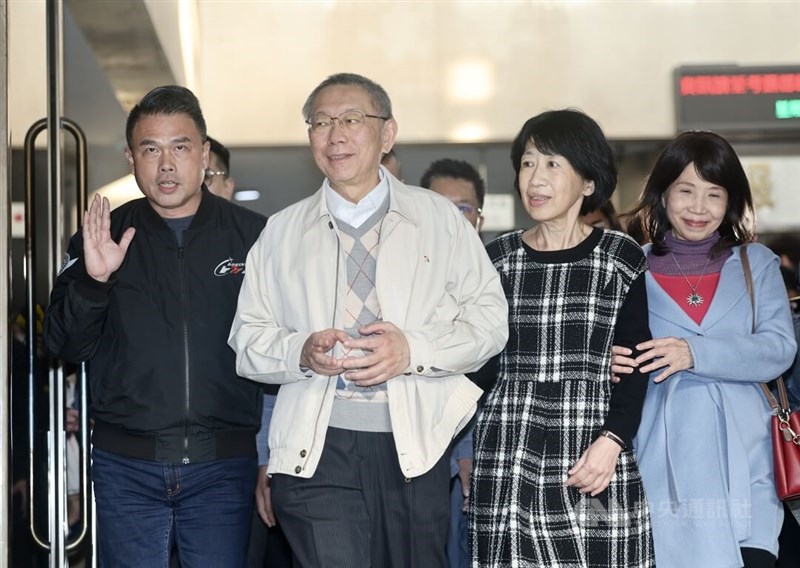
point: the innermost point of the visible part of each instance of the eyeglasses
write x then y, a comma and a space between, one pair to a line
468, 209
350, 120
209, 175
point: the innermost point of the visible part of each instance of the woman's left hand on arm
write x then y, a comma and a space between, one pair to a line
672, 354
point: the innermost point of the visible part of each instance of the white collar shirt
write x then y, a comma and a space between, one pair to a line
354, 214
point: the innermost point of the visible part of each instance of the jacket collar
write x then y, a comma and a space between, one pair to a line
401, 202
202, 216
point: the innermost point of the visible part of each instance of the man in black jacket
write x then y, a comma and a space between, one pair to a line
147, 295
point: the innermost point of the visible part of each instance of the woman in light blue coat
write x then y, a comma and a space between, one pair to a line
704, 444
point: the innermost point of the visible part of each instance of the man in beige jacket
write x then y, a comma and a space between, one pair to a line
367, 302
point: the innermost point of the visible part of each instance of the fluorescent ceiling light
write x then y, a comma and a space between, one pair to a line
469, 132
247, 195
119, 191
470, 81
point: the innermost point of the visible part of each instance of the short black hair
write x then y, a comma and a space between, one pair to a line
787, 244
789, 278
578, 138
457, 169
610, 213
222, 152
167, 99
715, 161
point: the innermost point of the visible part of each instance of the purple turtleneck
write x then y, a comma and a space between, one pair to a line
692, 256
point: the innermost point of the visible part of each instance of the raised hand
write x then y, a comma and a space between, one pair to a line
101, 255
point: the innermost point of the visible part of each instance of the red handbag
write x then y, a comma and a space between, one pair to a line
785, 423
785, 443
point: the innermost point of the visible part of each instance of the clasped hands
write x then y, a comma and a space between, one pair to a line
387, 353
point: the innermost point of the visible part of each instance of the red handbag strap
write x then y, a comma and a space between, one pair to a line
783, 403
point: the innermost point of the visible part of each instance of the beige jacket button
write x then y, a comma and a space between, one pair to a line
298, 469
420, 368
302, 453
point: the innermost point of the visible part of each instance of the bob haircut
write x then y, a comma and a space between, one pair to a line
578, 138
715, 161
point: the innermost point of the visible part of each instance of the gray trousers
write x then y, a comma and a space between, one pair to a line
358, 510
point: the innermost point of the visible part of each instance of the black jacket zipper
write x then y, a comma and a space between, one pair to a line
185, 302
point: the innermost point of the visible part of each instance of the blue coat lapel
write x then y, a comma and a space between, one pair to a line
728, 294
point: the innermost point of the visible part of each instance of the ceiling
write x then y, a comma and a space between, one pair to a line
457, 71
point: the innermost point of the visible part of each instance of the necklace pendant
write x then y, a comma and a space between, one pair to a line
694, 299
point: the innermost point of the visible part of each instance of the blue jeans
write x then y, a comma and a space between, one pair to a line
142, 506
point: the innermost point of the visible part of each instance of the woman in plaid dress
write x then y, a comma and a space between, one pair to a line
555, 482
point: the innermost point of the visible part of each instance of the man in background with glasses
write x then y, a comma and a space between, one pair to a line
267, 545
461, 183
367, 302
218, 178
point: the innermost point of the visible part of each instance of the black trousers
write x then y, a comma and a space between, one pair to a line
789, 540
757, 558
359, 510
268, 547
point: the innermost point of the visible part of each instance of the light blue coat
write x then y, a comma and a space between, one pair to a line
704, 445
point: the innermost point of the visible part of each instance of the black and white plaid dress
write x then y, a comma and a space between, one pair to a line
550, 401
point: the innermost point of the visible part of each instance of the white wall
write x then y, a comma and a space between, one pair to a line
612, 59
258, 60
27, 72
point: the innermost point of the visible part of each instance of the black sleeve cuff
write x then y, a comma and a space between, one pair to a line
93, 290
486, 376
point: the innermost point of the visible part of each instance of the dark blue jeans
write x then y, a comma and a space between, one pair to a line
142, 506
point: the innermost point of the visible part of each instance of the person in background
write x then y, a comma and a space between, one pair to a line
267, 546
173, 443
789, 539
704, 444
555, 480
391, 161
367, 302
461, 183
604, 217
25, 552
787, 247
792, 374
218, 178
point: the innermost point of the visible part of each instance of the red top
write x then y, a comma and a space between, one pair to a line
679, 290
